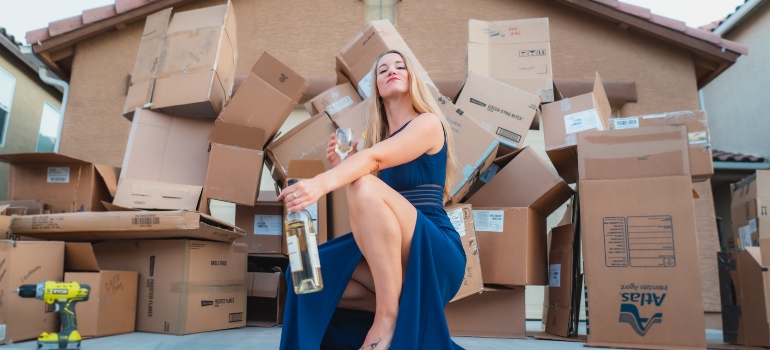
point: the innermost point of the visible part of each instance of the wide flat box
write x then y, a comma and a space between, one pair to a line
503, 110
125, 225
512, 245
563, 121
306, 141
639, 239
185, 66
165, 162
266, 97
494, 313
515, 52
745, 287
235, 163
698, 139
263, 223
185, 286
748, 203
461, 216
111, 305
28, 263
64, 183
335, 101
520, 179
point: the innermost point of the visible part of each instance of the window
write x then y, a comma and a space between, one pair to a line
7, 85
380, 9
49, 129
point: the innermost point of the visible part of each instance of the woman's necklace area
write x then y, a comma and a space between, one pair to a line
404, 123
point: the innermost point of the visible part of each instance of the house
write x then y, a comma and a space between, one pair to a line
735, 101
29, 107
649, 63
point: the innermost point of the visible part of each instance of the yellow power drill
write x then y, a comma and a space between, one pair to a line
64, 296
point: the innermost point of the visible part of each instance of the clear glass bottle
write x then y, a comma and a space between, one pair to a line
302, 244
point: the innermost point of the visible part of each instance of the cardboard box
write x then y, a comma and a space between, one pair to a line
185, 67
565, 119
743, 282
516, 52
266, 291
500, 108
263, 224
335, 101
461, 216
26, 207
564, 290
28, 263
66, 184
306, 141
639, 240
186, 286
520, 179
355, 119
701, 163
111, 305
338, 213
495, 313
512, 245
266, 97
748, 206
124, 225
357, 58
165, 163
708, 244
235, 163
474, 146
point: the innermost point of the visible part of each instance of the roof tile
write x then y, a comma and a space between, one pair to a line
99, 13
65, 25
37, 35
637, 11
668, 22
722, 156
703, 35
735, 47
128, 5
610, 3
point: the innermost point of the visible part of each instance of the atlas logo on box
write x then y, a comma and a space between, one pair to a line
629, 310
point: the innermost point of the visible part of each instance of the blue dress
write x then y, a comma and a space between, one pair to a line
433, 275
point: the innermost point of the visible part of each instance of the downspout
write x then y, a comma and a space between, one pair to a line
736, 17
43, 72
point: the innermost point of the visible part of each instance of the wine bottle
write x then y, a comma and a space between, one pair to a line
302, 244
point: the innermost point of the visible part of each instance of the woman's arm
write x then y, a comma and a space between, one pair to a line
424, 134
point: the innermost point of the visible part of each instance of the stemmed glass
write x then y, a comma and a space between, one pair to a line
344, 142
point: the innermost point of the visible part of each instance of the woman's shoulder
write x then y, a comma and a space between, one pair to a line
427, 120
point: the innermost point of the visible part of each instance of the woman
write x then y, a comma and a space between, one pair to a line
403, 261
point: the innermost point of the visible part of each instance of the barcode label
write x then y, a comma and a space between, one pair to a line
146, 221
59, 175
488, 220
626, 123
339, 105
554, 275
236, 317
510, 135
268, 225
580, 121
456, 217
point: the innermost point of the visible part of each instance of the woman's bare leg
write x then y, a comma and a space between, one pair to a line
359, 293
383, 224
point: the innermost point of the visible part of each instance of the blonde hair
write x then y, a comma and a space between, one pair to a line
422, 102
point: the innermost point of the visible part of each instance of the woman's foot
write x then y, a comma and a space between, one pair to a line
380, 336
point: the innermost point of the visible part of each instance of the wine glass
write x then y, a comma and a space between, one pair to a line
344, 142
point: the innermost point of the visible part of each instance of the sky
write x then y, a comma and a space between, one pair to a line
21, 16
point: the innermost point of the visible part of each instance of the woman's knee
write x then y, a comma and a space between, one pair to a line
363, 189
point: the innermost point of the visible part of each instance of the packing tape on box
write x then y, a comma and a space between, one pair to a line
565, 105
207, 287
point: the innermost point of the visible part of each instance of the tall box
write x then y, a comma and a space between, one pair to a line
64, 183
186, 286
235, 163
111, 305
165, 163
516, 52
494, 313
338, 213
743, 282
639, 240
263, 223
28, 263
266, 97
701, 163
565, 119
266, 291
748, 206
708, 243
306, 141
500, 108
186, 64
335, 101
564, 289
461, 216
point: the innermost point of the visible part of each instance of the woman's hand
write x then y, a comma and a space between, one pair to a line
331, 153
302, 194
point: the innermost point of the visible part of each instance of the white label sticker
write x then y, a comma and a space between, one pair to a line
295, 260
312, 250
339, 105
580, 121
626, 123
488, 220
554, 275
653, 116
456, 217
697, 137
59, 175
365, 86
745, 236
268, 225
2, 331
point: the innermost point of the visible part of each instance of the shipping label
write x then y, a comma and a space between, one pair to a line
580, 121
554, 275
58, 175
745, 233
339, 105
639, 241
626, 123
489, 220
456, 217
268, 225
697, 137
